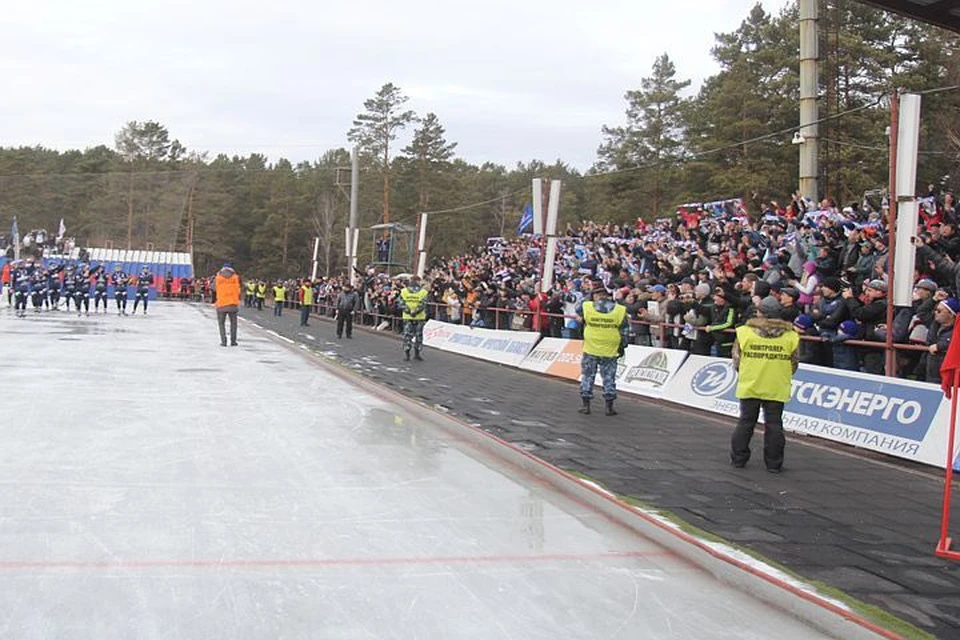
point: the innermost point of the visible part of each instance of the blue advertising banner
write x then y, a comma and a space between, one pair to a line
899, 417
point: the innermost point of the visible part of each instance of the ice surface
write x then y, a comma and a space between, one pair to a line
157, 485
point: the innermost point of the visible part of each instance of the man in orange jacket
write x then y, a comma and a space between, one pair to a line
227, 288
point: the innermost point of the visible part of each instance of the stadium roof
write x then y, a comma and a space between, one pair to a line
942, 13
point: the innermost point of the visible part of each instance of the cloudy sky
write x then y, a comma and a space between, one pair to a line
509, 80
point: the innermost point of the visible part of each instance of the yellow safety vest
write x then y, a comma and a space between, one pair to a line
279, 294
306, 294
413, 300
601, 331
261, 291
766, 364
251, 288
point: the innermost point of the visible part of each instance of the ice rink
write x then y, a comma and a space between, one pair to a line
156, 485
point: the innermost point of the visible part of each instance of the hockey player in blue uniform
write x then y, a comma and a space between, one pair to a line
120, 282
81, 293
144, 282
69, 285
38, 289
20, 283
54, 285
102, 279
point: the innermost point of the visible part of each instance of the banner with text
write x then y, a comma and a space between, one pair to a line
505, 347
642, 370
901, 418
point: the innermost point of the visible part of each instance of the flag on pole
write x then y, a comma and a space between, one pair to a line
951, 363
526, 219
15, 233
61, 231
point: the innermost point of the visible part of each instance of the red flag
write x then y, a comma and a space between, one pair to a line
951, 363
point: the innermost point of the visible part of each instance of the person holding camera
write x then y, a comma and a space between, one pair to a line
605, 335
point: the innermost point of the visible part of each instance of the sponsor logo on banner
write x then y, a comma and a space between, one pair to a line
714, 379
654, 368
822, 396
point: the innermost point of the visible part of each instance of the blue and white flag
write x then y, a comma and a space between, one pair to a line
526, 219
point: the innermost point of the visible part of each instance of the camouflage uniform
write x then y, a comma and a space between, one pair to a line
588, 373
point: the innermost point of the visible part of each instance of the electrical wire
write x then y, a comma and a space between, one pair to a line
742, 143
856, 145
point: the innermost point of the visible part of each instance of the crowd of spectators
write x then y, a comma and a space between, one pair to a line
689, 280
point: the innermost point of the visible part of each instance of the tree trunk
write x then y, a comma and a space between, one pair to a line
286, 233
130, 211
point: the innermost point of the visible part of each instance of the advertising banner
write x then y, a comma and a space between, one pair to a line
504, 347
642, 370
898, 417
555, 356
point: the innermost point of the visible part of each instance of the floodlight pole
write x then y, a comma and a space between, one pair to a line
890, 358
809, 59
353, 233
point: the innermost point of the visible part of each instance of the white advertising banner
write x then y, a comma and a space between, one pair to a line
897, 417
642, 370
646, 371
504, 347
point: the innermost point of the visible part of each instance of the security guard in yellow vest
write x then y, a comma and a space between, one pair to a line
279, 298
765, 356
306, 302
413, 303
249, 294
605, 336
261, 294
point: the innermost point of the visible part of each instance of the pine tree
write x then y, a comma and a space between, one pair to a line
430, 153
375, 129
653, 134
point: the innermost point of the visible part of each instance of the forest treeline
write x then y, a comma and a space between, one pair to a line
676, 143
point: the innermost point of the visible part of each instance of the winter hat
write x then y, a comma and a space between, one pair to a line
761, 289
850, 328
809, 267
833, 283
702, 290
770, 307
790, 291
952, 304
926, 283
803, 322
878, 284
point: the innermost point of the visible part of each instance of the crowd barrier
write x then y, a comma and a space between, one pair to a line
503, 347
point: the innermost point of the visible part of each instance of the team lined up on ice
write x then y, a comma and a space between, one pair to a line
48, 288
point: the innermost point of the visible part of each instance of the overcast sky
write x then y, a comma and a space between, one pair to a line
509, 80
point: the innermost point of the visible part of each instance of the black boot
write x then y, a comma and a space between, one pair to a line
585, 409
610, 411
406, 355
416, 355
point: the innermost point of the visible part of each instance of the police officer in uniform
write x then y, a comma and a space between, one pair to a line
765, 355
605, 335
413, 303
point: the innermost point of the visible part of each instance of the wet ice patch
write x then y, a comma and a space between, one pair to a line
529, 423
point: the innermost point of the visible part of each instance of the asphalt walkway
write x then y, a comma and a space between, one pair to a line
862, 523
